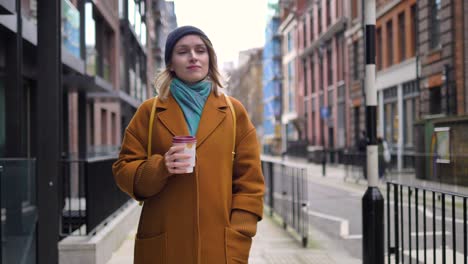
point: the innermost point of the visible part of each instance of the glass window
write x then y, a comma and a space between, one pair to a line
414, 28
304, 65
311, 28
143, 34
435, 104
434, 31
402, 36
409, 109
356, 61
312, 70
131, 12
354, 8
290, 41
2, 119
291, 86
319, 18
379, 48
389, 43
330, 64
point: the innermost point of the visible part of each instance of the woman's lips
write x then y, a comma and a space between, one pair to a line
193, 67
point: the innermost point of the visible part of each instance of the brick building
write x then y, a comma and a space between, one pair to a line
314, 67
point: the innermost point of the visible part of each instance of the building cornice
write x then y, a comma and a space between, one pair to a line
337, 27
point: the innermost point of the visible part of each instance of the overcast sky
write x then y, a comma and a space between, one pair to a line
231, 25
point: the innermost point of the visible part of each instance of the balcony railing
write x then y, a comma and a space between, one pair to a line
89, 195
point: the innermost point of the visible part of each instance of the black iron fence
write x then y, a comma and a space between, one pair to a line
426, 225
286, 195
89, 195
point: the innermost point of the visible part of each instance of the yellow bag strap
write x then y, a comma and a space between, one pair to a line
150, 128
233, 112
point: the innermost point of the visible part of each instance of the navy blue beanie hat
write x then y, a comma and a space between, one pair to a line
177, 34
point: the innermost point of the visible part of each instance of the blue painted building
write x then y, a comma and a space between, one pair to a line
272, 88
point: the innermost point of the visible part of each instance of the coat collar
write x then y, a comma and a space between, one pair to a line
173, 119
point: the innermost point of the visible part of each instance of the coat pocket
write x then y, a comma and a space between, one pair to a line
237, 247
150, 250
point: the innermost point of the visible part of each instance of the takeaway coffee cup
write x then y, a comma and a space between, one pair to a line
190, 143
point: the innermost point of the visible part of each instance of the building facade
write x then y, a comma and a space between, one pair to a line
315, 66
64, 104
272, 78
440, 134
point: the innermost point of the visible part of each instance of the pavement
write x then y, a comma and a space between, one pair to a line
274, 245
271, 245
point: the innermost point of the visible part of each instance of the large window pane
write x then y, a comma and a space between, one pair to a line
2, 118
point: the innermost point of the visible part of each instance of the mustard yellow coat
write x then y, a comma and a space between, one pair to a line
186, 217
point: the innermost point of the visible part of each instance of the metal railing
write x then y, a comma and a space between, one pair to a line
425, 225
286, 195
89, 195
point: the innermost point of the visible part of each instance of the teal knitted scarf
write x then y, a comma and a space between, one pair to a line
191, 99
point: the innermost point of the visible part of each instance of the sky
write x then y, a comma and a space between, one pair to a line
231, 25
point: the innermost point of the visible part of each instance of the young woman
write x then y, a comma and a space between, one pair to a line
210, 215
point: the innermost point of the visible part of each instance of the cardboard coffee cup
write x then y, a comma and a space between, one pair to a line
190, 143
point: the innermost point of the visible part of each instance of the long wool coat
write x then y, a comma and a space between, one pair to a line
186, 217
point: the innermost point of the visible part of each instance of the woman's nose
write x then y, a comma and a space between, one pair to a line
193, 55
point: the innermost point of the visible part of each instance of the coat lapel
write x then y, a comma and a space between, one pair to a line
172, 117
213, 114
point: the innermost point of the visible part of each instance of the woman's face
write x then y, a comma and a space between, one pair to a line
190, 59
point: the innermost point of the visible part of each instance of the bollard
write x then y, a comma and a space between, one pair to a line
372, 201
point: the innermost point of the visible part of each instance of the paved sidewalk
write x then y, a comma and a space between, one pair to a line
271, 245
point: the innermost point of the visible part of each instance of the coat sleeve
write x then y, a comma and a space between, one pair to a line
248, 182
136, 174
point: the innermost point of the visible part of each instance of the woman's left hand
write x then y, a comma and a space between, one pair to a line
176, 161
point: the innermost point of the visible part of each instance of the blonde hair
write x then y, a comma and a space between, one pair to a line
163, 80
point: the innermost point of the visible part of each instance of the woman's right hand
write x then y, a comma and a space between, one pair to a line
176, 161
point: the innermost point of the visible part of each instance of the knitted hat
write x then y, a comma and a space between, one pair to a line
177, 34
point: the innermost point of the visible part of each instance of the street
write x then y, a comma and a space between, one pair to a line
335, 209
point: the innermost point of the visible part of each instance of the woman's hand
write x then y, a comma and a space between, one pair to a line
176, 161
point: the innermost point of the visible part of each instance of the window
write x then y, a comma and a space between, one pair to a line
355, 61
114, 128
329, 12
414, 28
389, 43
104, 129
311, 28
290, 86
330, 64
354, 9
321, 88
2, 119
390, 115
304, 65
290, 41
312, 70
319, 18
434, 22
435, 104
410, 95
304, 31
402, 36
378, 45
341, 57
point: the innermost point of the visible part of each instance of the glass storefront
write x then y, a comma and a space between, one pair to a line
19, 211
2, 118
